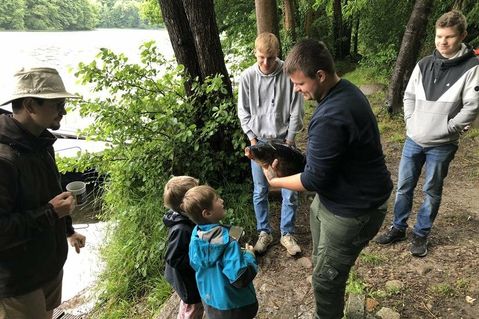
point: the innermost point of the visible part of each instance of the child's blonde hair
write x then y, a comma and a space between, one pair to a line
175, 189
196, 200
267, 43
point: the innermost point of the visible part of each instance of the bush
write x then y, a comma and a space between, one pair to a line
154, 128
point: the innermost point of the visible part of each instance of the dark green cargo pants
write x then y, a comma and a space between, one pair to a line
337, 242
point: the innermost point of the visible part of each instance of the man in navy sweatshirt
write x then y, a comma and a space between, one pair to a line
345, 167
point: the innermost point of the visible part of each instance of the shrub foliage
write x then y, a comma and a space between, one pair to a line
153, 131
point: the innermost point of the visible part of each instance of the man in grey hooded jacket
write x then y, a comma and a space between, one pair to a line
269, 109
440, 102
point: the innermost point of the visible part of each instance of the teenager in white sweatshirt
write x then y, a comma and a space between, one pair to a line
440, 102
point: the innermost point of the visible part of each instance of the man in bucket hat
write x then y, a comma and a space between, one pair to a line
34, 211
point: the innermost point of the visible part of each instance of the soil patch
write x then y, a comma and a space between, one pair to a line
435, 286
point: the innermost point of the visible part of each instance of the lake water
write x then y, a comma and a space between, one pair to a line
63, 51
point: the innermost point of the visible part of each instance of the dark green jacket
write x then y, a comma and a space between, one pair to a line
33, 246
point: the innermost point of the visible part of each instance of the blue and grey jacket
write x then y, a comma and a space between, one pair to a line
268, 107
442, 97
224, 273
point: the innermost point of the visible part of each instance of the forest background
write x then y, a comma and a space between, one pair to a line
164, 118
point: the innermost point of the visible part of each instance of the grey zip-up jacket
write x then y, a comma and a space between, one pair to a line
268, 107
442, 98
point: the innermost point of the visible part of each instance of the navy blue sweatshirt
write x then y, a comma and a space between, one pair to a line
344, 161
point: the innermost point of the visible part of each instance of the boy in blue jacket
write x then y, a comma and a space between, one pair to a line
224, 272
178, 271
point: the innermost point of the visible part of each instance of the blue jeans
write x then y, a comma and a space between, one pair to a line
261, 205
414, 156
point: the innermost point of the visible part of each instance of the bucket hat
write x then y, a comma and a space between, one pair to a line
44, 83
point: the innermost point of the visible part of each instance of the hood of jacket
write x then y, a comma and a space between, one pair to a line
12, 133
172, 218
442, 63
208, 242
279, 69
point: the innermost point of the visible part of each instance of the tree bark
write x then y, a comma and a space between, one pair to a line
346, 36
195, 40
310, 29
408, 53
354, 51
289, 20
202, 21
267, 18
341, 31
338, 29
194, 36
181, 38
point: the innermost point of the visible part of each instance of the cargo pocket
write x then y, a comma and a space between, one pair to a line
329, 283
332, 270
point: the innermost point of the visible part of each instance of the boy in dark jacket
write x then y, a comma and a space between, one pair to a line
178, 271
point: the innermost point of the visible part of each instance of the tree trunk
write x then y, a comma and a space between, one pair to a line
194, 36
354, 52
308, 22
202, 21
195, 40
310, 30
337, 29
341, 31
181, 38
289, 21
408, 53
267, 18
346, 39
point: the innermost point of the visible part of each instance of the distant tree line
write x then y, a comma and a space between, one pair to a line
72, 15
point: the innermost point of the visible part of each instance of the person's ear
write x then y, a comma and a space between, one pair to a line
205, 213
463, 36
320, 75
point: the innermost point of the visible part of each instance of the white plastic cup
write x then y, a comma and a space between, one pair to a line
78, 189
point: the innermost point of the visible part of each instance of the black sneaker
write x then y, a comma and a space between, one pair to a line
391, 236
418, 246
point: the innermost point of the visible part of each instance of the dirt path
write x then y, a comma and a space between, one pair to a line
283, 284
435, 286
